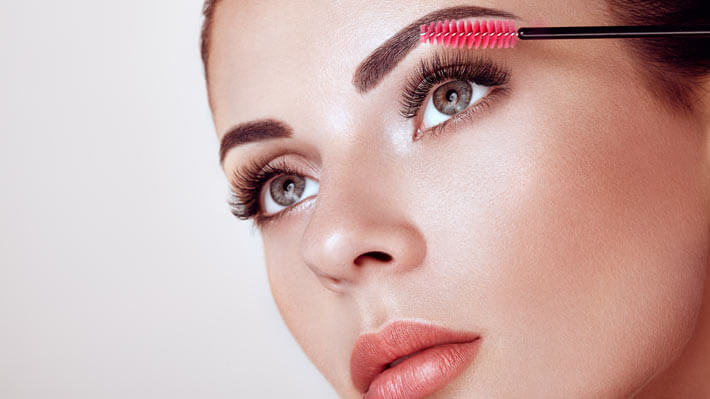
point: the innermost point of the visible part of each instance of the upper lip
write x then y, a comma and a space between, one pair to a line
373, 352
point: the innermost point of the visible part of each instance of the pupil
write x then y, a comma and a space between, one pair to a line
288, 186
453, 97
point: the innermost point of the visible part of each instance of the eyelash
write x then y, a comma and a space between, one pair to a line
445, 67
248, 183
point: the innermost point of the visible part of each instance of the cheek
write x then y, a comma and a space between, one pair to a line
592, 241
312, 314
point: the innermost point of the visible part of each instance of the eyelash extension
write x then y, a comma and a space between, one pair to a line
248, 184
444, 67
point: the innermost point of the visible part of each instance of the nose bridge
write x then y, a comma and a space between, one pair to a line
358, 222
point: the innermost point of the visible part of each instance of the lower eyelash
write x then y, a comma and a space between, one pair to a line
263, 221
469, 114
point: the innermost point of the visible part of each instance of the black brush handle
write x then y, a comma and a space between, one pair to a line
610, 32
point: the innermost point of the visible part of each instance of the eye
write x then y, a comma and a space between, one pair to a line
450, 99
285, 191
447, 89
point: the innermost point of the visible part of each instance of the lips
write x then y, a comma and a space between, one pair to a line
410, 359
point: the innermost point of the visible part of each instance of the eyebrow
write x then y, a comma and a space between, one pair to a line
248, 132
378, 64
367, 75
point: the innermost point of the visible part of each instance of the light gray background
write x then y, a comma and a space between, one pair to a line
122, 272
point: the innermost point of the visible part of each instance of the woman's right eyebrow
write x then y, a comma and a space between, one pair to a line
381, 61
249, 132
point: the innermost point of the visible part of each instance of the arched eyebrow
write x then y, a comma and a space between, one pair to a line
249, 132
386, 57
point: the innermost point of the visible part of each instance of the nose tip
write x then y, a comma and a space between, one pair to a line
345, 248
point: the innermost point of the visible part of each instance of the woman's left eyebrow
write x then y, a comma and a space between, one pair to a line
378, 64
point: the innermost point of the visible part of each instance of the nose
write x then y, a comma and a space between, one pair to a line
359, 227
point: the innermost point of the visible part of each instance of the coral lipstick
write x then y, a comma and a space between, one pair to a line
410, 360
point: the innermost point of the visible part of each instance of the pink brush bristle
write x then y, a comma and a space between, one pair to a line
439, 28
479, 34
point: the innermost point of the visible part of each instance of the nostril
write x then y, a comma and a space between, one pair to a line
378, 255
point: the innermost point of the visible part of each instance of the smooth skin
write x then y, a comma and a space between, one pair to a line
568, 224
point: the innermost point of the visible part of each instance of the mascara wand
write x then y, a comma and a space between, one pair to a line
502, 33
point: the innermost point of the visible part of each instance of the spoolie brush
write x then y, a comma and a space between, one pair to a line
502, 34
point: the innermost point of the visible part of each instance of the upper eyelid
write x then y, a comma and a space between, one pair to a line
279, 162
440, 64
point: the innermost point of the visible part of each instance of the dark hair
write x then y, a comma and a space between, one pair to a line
674, 68
208, 13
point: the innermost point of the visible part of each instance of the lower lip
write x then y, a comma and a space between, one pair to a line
423, 373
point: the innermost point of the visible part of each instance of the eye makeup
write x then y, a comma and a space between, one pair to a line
443, 67
248, 184
250, 181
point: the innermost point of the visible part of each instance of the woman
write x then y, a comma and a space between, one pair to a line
454, 223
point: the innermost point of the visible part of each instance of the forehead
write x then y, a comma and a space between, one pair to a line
265, 49
294, 61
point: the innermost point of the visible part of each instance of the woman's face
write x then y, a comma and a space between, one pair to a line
561, 216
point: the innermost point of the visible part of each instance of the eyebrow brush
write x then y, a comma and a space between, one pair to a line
502, 33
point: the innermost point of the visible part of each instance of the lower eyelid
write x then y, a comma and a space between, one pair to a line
265, 220
470, 114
